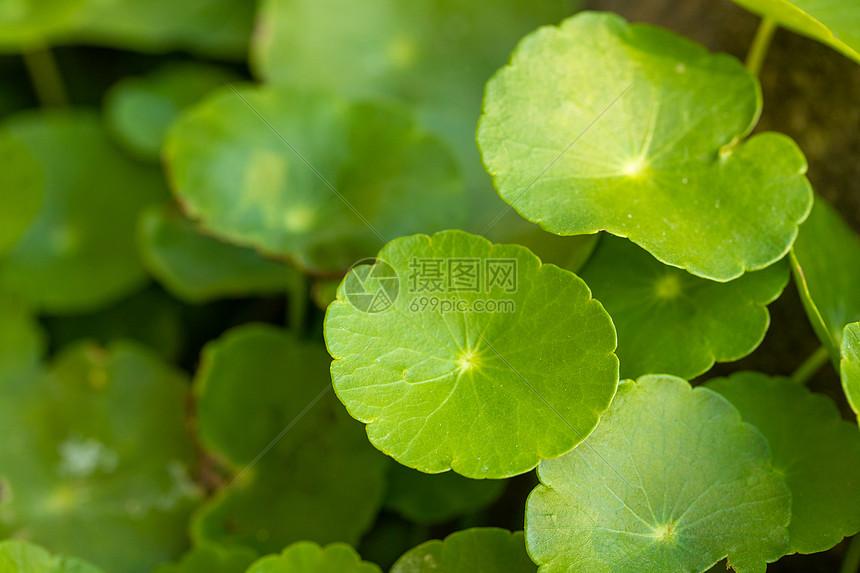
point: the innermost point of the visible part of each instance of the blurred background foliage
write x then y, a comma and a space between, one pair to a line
144, 220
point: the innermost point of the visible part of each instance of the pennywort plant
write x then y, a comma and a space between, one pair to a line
417, 309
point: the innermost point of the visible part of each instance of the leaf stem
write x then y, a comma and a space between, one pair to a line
851, 563
45, 75
811, 365
760, 45
298, 294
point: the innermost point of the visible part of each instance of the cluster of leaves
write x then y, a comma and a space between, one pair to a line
647, 226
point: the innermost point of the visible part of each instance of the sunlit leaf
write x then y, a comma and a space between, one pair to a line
825, 264
79, 253
600, 125
316, 477
482, 550
671, 480
485, 377
307, 557
22, 557
672, 322
94, 457
198, 268
139, 110
209, 558
435, 498
850, 365
821, 467
832, 22
327, 189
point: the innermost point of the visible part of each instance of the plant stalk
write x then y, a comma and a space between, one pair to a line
811, 365
45, 75
851, 563
298, 294
760, 45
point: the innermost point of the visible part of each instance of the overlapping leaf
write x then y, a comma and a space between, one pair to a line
850, 365
600, 125
832, 22
435, 498
22, 557
94, 456
139, 110
307, 557
816, 453
311, 177
671, 480
199, 268
433, 56
480, 359
480, 550
672, 322
824, 261
79, 252
316, 477
209, 558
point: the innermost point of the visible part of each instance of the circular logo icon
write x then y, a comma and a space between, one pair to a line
371, 285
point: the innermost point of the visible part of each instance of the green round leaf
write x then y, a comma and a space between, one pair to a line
22, 557
850, 365
510, 364
600, 125
21, 189
479, 550
672, 322
199, 268
245, 183
209, 558
671, 480
832, 22
79, 253
433, 56
316, 479
93, 458
824, 261
436, 498
139, 110
814, 450
307, 557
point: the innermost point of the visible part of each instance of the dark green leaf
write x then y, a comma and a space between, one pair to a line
316, 477
814, 450
672, 322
